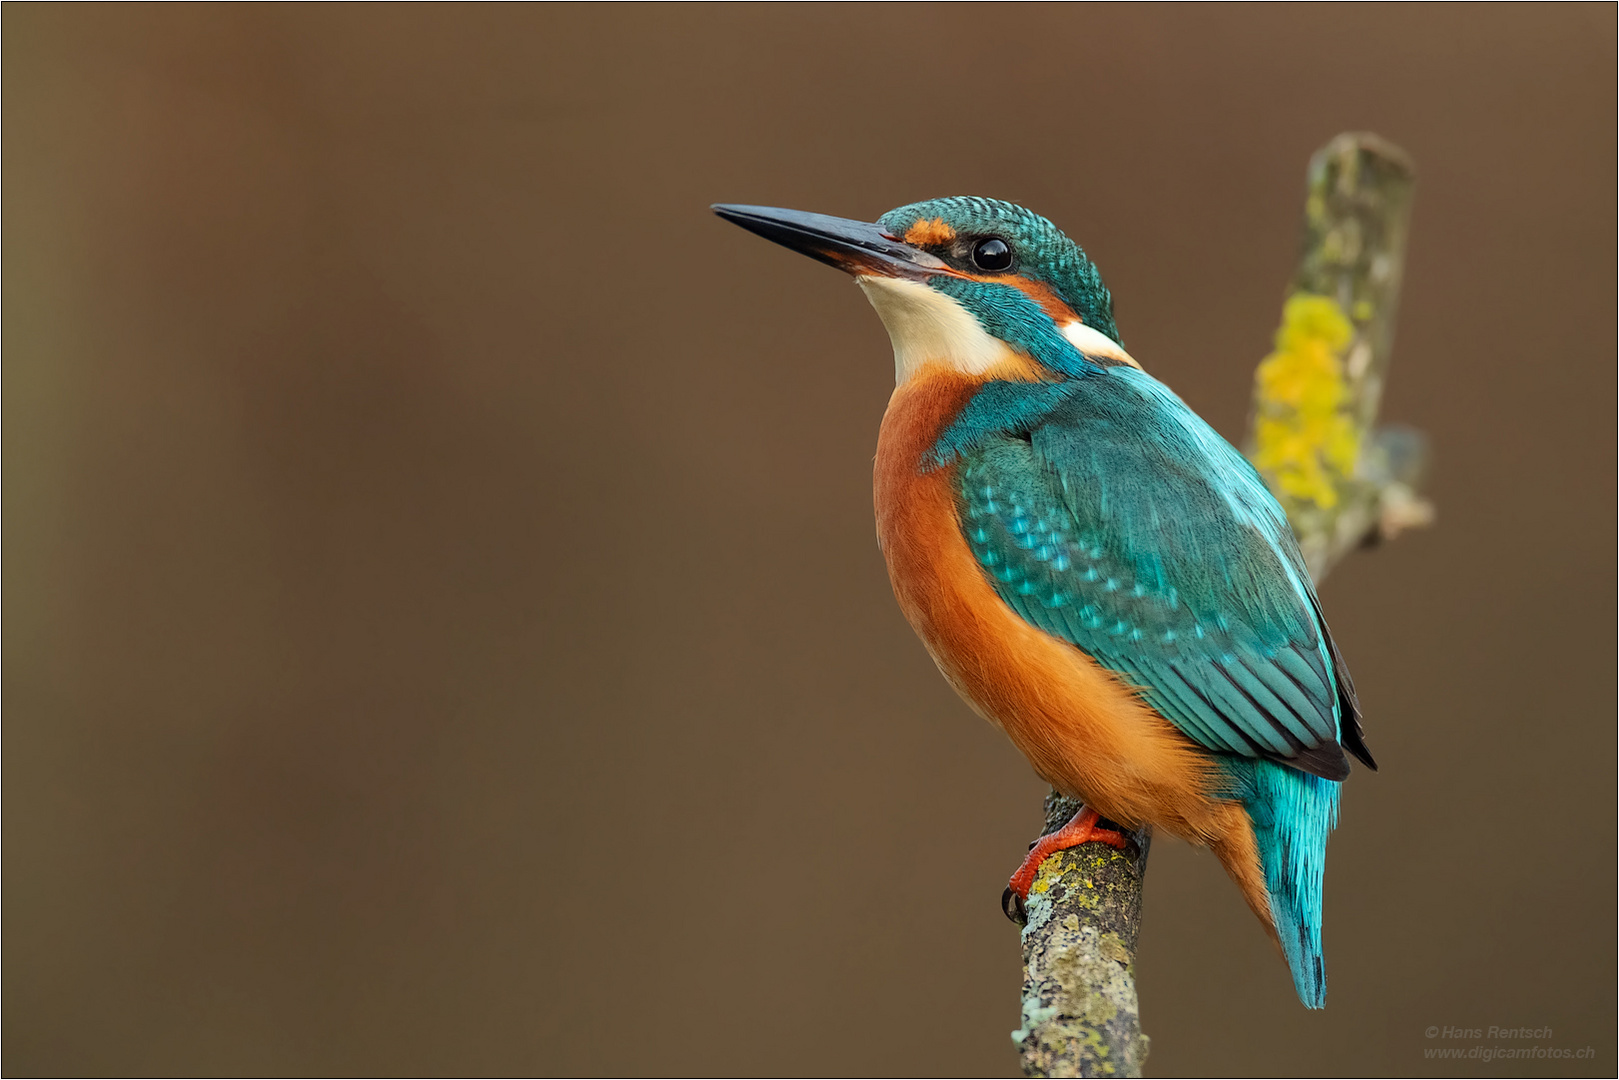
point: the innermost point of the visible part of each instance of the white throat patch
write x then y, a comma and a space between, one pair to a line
927, 326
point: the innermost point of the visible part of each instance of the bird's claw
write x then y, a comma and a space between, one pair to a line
1012, 907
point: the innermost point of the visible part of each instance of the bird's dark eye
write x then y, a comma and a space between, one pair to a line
992, 255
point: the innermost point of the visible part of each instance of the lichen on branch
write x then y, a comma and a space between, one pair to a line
1342, 481
1080, 1014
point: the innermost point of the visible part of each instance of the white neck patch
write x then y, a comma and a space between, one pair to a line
927, 326
1092, 342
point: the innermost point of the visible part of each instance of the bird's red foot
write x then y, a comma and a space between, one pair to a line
1081, 830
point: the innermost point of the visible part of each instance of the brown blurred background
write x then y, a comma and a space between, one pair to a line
443, 628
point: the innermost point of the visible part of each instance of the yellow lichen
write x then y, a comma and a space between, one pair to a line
1303, 439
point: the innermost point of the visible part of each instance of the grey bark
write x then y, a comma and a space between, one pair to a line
1080, 1016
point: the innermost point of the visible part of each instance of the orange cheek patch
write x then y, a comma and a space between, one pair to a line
1038, 291
1046, 297
927, 233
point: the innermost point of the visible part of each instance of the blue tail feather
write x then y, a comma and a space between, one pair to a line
1293, 814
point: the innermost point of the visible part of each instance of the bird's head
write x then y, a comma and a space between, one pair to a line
978, 285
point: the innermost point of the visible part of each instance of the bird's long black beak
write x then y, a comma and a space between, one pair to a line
856, 247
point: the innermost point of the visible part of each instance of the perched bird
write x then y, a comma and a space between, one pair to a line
1093, 568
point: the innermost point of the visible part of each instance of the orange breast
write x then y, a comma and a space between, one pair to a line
1082, 729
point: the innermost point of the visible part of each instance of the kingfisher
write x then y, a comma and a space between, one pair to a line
1093, 568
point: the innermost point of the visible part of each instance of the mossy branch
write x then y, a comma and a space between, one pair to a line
1080, 1016
1344, 483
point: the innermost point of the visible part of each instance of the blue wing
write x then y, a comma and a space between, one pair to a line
1121, 522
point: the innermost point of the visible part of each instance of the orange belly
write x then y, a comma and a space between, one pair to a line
1083, 730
